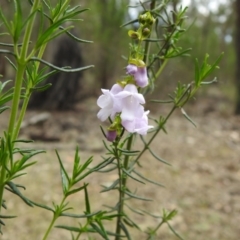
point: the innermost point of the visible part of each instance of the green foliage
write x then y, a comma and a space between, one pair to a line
29, 76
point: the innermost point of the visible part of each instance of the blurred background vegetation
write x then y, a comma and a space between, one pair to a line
210, 28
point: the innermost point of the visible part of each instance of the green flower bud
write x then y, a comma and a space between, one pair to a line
146, 32
146, 19
133, 34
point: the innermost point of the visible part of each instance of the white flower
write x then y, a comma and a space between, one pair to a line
130, 101
133, 117
108, 104
139, 124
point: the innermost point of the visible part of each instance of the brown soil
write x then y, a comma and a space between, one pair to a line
202, 183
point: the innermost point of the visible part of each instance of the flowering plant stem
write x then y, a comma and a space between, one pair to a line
13, 128
122, 187
14, 123
56, 215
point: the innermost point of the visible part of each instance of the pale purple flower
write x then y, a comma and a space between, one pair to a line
139, 123
108, 103
139, 74
130, 101
141, 77
111, 135
133, 117
131, 69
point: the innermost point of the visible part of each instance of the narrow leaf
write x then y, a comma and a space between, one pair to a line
158, 158
123, 227
130, 223
42, 206
79, 216
2, 109
64, 176
4, 216
98, 230
107, 170
146, 179
87, 203
161, 101
58, 68
188, 118
174, 232
128, 174
76, 38
136, 196
72, 229
42, 88
14, 189
134, 210
75, 190
111, 187
130, 22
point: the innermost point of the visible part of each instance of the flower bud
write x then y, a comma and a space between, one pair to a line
146, 19
111, 135
146, 31
132, 34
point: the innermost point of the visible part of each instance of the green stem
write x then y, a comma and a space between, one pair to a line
122, 187
28, 32
155, 230
2, 184
14, 111
21, 65
21, 62
121, 195
78, 236
55, 217
50, 227
16, 98
27, 98
161, 68
63, 7
21, 115
126, 159
148, 44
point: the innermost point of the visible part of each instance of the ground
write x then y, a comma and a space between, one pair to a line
202, 183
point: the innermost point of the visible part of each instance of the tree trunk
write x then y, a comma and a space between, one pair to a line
65, 86
237, 42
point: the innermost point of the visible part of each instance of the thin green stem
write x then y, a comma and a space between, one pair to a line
78, 236
27, 98
28, 32
16, 98
21, 115
161, 68
148, 44
2, 183
50, 227
63, 7
122, 187
155, 230
55, 217
21, 64
126, 159
121, 195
